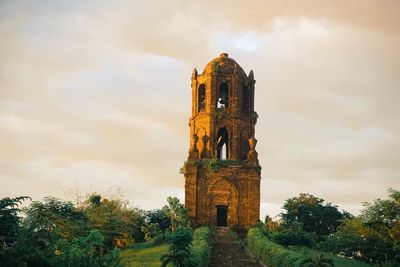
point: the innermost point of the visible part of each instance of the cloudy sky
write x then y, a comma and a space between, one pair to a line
95, 95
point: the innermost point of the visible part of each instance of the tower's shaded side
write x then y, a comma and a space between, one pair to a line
222, 173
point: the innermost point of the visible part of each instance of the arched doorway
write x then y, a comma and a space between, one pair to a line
223, 203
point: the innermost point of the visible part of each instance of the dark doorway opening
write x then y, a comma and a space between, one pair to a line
222, 216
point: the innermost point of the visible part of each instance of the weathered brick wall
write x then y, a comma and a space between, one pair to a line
236, 186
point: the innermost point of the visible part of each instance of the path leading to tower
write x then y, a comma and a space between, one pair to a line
228, 252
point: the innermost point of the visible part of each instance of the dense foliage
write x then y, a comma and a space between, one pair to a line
313, 215
188, 249
159, 217
10, 219
319, 261
374, 236
120, 224
270, 253
86, 251
201, 246
293, 237
54, 232
176, 212
11, 249
179, 251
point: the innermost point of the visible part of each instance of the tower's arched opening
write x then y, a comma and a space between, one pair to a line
223, 95
222, 143
201, 97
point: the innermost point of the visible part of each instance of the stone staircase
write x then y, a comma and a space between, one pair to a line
228, 252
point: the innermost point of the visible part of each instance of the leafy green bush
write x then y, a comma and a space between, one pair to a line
288, 237
118, 223
85, 251
313, 214
177, 213
201, 246
270, 253
373, 236
179, 250
186, 250
150, 230
159, 217
318, 261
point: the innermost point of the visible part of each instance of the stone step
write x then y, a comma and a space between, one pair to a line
228, 252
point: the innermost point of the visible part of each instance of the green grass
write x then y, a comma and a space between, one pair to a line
144, 255
338, 261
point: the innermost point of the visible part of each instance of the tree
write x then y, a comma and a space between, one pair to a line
179, 251
150, 230
293, 237
86, 251
270, 224
94, 200
176, 212
383, 217
118, 223
43, 225
313, 214
10, 219
159, 217
374, 235
52, 219
10, 231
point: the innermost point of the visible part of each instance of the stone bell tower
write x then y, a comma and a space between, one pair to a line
222, 173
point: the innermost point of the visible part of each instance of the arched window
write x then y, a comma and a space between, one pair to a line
222, 143
223, 95
201, 97
246, 100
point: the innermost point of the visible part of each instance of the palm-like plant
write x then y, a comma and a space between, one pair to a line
179, 253
176, 258
319, 261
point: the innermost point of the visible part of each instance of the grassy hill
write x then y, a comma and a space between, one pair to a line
144, 255
338, 261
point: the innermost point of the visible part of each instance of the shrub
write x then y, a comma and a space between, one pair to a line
186, 250
290, 237
270, 253
179, 251
150, 230
318, 261
201, 246
85, 251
